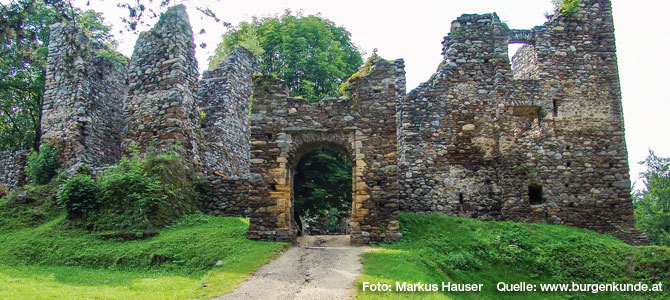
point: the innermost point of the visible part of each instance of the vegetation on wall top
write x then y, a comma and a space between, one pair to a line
567, 8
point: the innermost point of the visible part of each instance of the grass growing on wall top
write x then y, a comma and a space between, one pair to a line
437, 248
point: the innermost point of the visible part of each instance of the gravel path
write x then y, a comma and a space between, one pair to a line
321, 267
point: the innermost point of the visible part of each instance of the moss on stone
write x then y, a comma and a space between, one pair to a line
345, 87
113, 57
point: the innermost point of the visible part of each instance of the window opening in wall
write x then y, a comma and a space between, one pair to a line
555, 103
535, 194
460, 198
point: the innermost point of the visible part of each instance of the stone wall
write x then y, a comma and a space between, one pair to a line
524, 63
224, 95
161, 107
537, 140
543, 143
362, 127
227, 197
12, 164
82, 112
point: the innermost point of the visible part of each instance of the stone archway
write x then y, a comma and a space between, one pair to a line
306, 141
363, 127
293, 144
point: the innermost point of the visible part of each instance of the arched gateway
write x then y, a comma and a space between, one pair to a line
362, 126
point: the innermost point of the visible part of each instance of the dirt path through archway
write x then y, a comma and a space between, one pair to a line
320, 267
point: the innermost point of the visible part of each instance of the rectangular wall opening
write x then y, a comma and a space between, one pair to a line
535, 194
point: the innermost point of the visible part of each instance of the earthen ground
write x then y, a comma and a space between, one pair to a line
319, 267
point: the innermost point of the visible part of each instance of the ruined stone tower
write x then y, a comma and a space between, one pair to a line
82, 110
161, 107
538, 139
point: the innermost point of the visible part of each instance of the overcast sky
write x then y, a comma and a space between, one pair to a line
413, 30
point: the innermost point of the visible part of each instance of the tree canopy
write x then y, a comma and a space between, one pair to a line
312, 54
652, 203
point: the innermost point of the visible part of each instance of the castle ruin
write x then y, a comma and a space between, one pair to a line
537, 139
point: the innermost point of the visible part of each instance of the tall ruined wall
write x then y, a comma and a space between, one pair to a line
362, 127
448, 126
161, 107
542, 143
82, 112
224, 95
12, 167
578, 153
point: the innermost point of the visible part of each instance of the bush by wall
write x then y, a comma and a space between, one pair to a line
143, 192
42, 165
79, 196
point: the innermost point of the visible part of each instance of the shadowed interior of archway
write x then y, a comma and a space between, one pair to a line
322, 193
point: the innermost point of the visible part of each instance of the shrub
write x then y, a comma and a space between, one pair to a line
130, 195
144, 192
79, 195
140, 193
567, 8
42, 165
4, 190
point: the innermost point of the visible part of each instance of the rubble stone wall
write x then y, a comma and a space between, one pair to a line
82, 110
224, 95
542, 143
228, 197
363, 127
162, 106
12, 163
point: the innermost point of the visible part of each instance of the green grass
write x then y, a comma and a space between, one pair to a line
44, 258
437, 248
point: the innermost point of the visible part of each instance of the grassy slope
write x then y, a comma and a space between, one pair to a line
40, 258
437, 249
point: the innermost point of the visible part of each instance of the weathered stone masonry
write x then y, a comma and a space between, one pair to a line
13, 164
224, 96
161, 107
541, 143
363, 127
540, 139
82, 110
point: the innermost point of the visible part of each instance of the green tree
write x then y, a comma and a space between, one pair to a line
322, 184
652, 203
312, 54
24, 33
